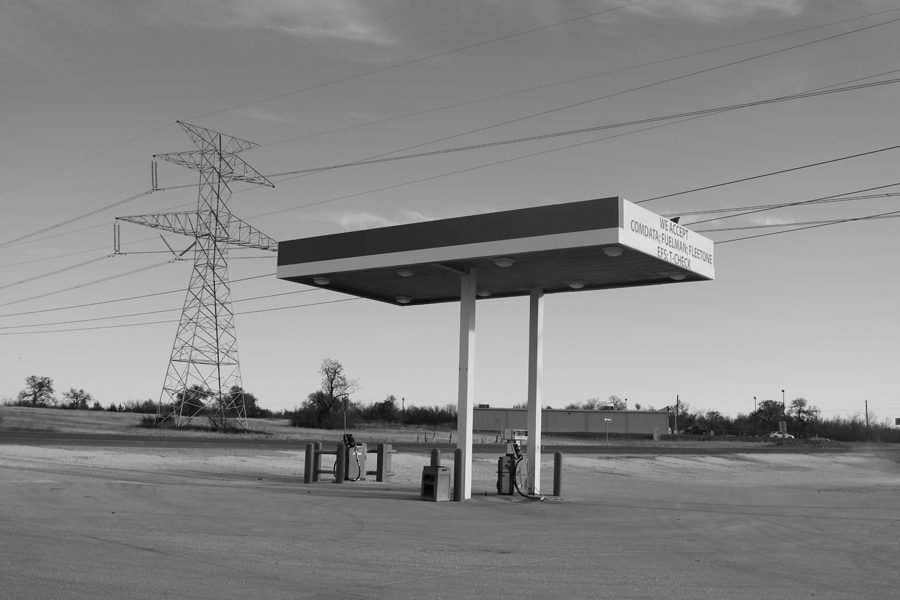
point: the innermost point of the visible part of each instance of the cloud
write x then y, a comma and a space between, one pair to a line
259, 114
769, 219
360, 219
719, 10
339, 20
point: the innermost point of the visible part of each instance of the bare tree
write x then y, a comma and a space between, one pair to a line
38, 391
803, 413
335, 387
78, 399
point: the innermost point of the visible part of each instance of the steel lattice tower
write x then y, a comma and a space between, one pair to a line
204, 368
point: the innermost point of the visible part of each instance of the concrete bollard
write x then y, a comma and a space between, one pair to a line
317, 460
557, 473
383, 464
457, 475
309, 463
341, 469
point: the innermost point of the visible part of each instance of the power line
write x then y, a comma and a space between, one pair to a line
804, 225
45, 258
88, 283
683, 115
106, 207
789, 224
385, 158
815, 226
572, 80
810, 225
126, 299
770, 173
465, 170
830, 199
416, 60
801, 203
643, 87
249, 312
149, 312
56, 272
84, 160
74, 219
530, 155
317, 86
695, 114
589, 15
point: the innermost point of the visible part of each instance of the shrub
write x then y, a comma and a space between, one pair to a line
155, 422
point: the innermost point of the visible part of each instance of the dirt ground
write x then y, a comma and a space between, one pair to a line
220, 522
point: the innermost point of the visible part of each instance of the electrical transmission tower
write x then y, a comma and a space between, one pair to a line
203, 377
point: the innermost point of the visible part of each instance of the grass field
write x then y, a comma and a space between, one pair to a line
120, 423
123, 423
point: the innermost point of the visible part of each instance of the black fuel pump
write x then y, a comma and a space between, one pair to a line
352, 452
512, 468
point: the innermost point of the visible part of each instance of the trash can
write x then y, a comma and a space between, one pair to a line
436, 484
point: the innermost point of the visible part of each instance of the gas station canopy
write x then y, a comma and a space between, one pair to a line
588, 245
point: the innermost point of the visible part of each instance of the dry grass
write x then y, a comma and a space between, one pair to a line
18, 418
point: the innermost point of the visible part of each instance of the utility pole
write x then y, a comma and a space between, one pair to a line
203, 367
676, 414
867, 421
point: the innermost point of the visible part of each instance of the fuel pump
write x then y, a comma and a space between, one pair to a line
355, 458
510, 465
512, 468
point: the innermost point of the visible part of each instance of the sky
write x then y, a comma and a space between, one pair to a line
91, 90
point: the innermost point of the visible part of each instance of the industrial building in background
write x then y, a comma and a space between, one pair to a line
204, 376
638, 422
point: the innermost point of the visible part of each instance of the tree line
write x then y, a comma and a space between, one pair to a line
40, 392
803, 420
330, 407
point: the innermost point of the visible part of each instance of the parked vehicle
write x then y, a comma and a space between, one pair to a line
781, 434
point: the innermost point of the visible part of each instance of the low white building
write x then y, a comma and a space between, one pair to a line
574, 421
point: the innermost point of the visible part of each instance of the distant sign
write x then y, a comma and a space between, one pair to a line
658, 236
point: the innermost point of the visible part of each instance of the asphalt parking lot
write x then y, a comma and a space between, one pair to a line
211, 522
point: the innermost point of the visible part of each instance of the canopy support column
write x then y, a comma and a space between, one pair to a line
535, 376
466, 397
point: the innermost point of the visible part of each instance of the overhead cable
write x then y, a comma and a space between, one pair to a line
801, 203
167, 321
88, 283
56, 272
643, 87
416, 60
125, 299
683, 115
815, 226
78, 218
792, 224
572, 80
150, 312
827, 200
320, 85
770, 174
